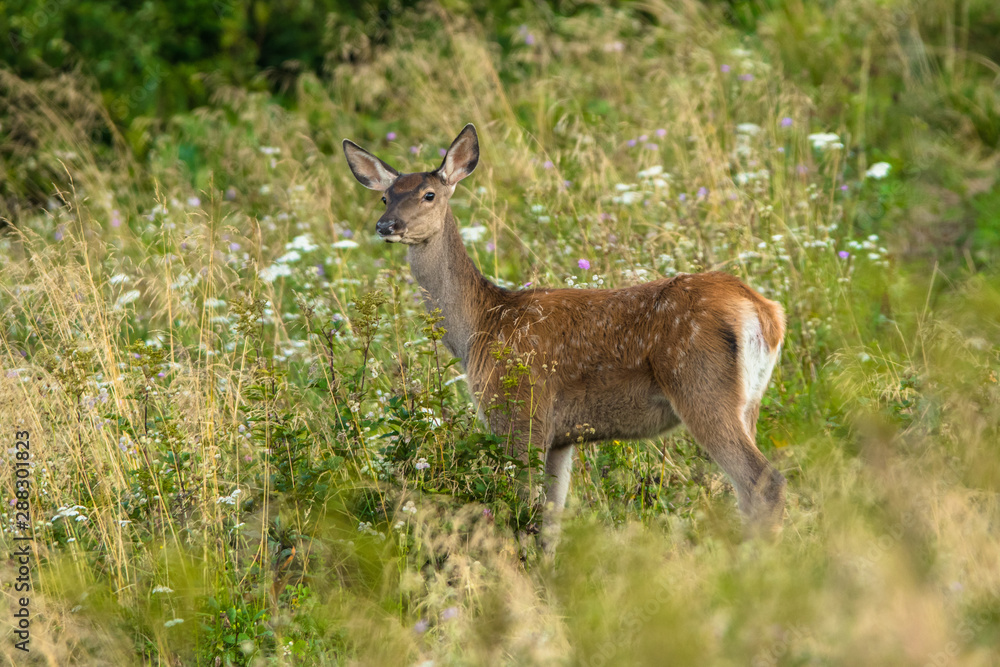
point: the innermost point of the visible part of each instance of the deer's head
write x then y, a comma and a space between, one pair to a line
416, 205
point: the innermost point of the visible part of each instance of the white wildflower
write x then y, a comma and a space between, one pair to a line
127, 298
289, 257
473, 234
628, 198
275, 271
345, 244
302, 242
878, 170
825, 140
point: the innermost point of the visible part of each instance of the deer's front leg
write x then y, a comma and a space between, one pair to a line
527, 428
558, 469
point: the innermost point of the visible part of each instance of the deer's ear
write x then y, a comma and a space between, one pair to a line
462, 158
370, 171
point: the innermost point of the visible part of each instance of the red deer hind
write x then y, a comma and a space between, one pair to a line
611, 363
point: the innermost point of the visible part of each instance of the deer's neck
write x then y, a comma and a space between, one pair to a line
451, 282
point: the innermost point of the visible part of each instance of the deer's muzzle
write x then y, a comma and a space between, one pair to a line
388, 227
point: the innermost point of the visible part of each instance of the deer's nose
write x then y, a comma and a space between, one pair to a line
387, 227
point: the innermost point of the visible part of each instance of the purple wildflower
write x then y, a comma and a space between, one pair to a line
490, 247
683, 197
844, 187
449, 613
529, 39
702, 192
583, 264
843, 254
786, 122
643, 137
724, 69
414, 149
652, 147
420, 627
230, 193
631, 143
116, 220
661, 133
746, 77
442, 152
390, 136
548, 164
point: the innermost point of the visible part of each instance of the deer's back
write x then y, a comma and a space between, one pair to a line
603, 356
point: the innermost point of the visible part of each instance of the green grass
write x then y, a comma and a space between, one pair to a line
250, 449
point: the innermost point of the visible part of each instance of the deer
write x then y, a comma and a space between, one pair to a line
597, 364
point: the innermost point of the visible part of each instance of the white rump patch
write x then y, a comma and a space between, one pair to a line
756, 363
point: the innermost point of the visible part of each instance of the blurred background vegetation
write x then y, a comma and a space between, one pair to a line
926, 93
250, 449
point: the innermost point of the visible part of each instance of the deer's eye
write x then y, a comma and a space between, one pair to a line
428, 196
383, 199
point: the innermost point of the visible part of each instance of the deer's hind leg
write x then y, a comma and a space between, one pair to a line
710, 400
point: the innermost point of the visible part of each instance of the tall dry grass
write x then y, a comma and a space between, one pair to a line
338, 548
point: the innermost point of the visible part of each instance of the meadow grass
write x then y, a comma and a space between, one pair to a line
250, 448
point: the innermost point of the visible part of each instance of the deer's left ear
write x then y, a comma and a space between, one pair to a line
462, 158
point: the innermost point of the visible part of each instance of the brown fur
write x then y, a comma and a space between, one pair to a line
620, 363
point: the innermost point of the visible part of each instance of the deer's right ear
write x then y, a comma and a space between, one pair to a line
370, 171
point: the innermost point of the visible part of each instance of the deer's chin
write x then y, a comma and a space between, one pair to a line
393, 238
